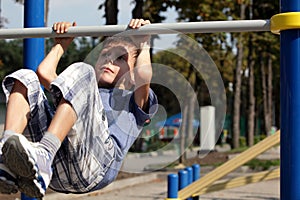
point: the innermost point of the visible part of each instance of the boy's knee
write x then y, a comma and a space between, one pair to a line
22, 78
20, 87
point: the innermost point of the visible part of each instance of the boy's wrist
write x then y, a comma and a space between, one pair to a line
145, 45
58, 49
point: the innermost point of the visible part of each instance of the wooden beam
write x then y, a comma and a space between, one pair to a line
230, 166
240, 181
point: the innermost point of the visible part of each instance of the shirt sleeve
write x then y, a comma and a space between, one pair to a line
142, 117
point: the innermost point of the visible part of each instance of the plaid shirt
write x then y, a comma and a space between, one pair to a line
92, 153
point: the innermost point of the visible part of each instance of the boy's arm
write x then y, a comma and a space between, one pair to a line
47, 69
143, 75
143, 70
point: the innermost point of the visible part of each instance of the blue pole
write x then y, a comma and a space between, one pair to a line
183, 179
190, 176
290, 107
196, 175
172, 186
24, 197
196, 171
33, 49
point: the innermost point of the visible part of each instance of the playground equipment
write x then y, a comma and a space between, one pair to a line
286, 23
205, 184
166, 28
33, 48
182, 179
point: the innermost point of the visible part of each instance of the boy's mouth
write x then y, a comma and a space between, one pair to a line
107, 69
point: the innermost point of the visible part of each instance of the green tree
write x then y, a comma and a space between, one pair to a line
217, 45
221, 48
10, 56
177, 59
110, 11
238, 81
269, 64
77, 51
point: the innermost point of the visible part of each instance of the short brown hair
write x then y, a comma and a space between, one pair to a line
121, 40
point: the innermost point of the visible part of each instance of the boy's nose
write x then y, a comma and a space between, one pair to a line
109, 59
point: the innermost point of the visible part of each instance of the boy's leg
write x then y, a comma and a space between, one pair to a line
35, 163
15, 122
26, 108
63, 120
31, 162
87, 152
17, 112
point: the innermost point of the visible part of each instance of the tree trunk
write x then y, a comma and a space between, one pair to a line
190, 119
238, 84
137, 12
46, 13
237, 96
265, 97
270, 92
251, 111
182, 133
251, 82
111, 12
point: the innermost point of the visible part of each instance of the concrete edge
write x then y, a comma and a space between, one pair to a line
116, 185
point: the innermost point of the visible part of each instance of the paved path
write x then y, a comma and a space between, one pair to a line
157, 189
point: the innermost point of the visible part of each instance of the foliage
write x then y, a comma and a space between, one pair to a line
76, 52
153, 10
259, 138
243, 141
222, 46
10, 56
166, 97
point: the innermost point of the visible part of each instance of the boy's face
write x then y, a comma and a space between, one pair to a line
113, 62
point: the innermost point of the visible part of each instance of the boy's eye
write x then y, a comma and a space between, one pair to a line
103, 55
121, 57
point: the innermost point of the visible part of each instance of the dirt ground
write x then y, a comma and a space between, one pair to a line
212, 158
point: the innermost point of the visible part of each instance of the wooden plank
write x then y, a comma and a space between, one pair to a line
230, 166
240, 181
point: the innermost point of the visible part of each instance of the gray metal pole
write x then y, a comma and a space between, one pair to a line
159, 28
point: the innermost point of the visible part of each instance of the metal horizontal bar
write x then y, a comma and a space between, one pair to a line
153, 29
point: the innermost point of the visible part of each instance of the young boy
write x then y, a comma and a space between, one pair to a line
97, 118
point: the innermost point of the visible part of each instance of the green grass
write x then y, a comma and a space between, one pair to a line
238, 150
256, 164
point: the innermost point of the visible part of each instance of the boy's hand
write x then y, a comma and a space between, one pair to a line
141, 41
60, 28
